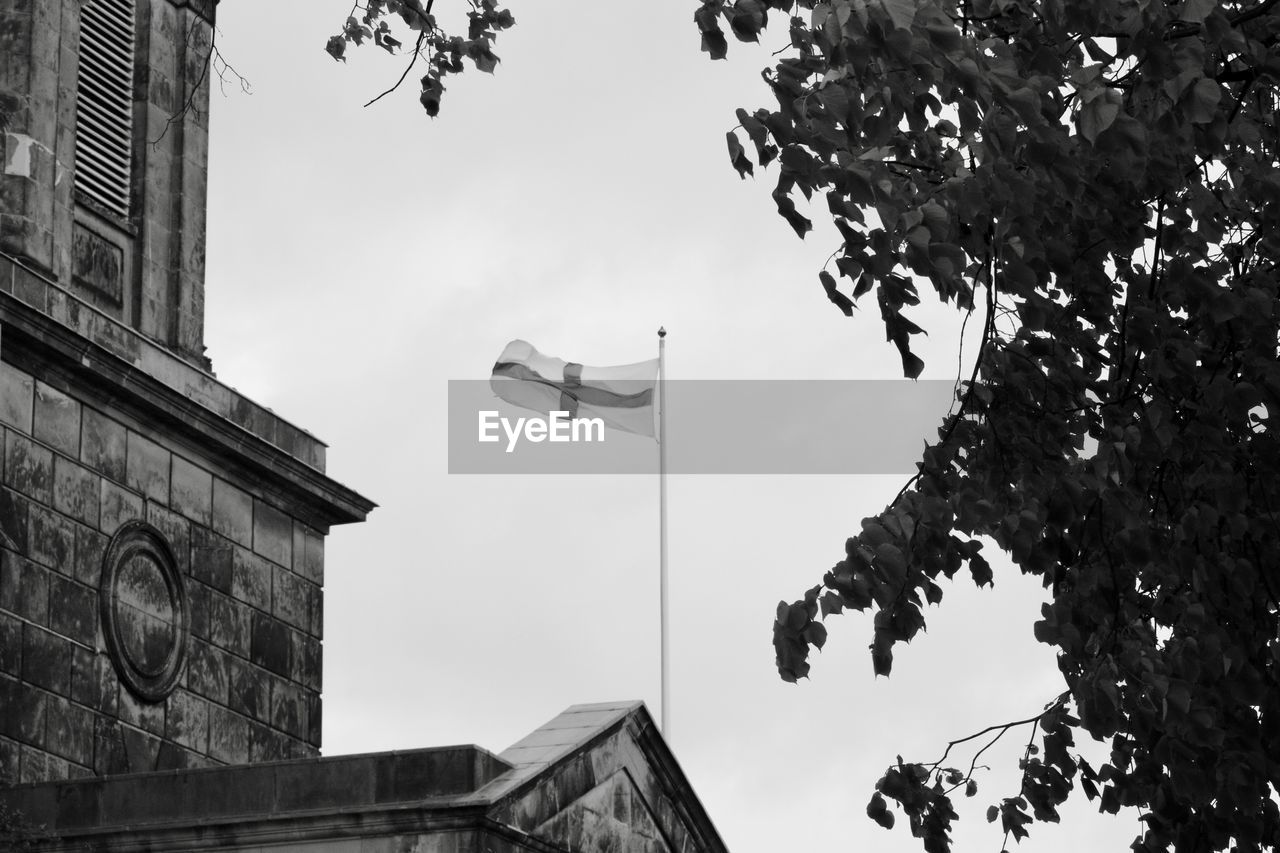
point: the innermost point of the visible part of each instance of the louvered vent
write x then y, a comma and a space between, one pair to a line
104, 103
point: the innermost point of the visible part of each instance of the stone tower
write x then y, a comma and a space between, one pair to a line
161, 536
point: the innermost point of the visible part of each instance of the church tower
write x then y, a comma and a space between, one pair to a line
161, 535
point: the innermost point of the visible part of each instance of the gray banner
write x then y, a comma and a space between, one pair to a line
713, 427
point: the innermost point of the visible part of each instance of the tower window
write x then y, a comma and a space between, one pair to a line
104, 103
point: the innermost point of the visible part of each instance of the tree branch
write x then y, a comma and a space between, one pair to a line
417, 49
1253, 12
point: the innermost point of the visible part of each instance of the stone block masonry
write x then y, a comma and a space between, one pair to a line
80, 469
65, 711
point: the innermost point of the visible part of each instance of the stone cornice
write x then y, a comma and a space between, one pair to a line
45, 324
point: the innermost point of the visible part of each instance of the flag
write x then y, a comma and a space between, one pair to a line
622, 396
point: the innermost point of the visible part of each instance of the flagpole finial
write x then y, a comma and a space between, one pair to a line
662, 332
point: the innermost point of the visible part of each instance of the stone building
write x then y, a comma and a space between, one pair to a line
162, 536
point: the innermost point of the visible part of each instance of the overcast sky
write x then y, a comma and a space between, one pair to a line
358, 259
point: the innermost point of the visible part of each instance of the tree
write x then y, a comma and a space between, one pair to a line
1098, 179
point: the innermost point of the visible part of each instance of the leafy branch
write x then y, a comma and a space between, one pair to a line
445, 52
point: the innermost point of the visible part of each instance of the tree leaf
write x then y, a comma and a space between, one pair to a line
901, 12
844, 303
878, 811
1095, 116
1202, 101
715, 44
738, 155
1195, 11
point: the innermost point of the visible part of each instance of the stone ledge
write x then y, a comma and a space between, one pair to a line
612, 781
263, 790
128, 371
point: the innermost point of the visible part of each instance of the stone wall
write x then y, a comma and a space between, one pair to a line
73, 473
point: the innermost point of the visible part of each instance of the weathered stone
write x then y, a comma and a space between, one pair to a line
270, 646
97, 264
57, 420
40, 766
229, 624
52, 540
207, 671
28, 467
187, 720
90, 548
141, 749
272, 533
147, 468
267, 744
76, 491
317, 614
109, 755
251, 579
191, 491
10, 645
13, 520
26, 286
9, 751
198, 609
94, 683
313, 719
46, 659
212, 563
103, 444
288, 708
69, 731
228, 736
313, 557
299, 549
24, 588
118, 506
249, 689
291, 598
307, 661
174, 757
73, 610
232, 512
144, 715
22, 711
78, 771
176, 530
17, 397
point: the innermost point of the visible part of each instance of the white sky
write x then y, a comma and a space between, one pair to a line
579, 198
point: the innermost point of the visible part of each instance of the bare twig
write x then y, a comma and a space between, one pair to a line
212, 60
417, 50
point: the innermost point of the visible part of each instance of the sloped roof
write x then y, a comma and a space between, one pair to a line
595, 779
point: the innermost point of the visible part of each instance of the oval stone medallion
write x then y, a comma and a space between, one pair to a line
144, 610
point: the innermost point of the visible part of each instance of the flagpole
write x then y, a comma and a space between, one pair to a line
665, 719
